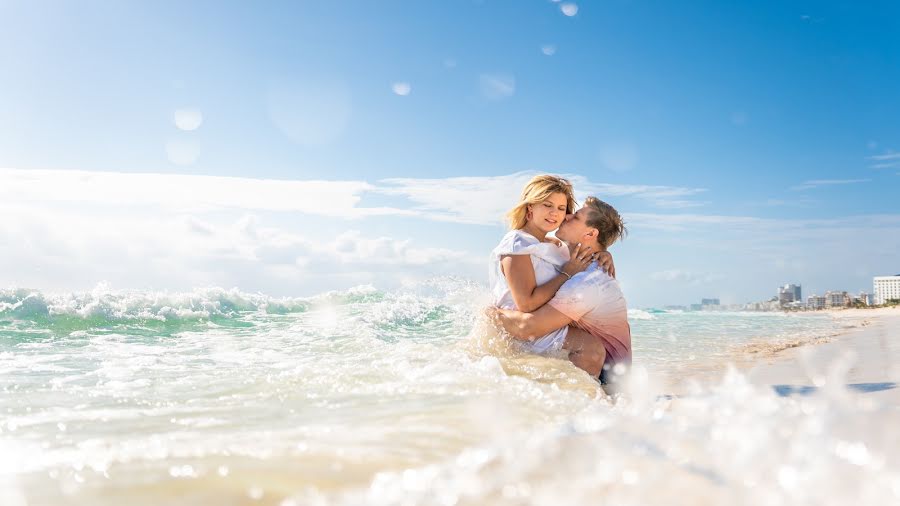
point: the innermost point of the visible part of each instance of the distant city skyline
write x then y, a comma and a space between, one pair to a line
298, 147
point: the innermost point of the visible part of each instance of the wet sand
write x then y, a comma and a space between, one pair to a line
864, 356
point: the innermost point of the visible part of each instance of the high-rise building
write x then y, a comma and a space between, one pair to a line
864, 298
789, 293
837, 299
815, 302
886, 288
709, 302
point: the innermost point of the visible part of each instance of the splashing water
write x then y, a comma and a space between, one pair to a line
371, 397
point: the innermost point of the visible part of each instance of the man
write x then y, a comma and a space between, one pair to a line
591, 302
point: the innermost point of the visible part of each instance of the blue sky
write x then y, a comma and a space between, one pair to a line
747, 144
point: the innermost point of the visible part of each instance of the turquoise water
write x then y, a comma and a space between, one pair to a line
400, 397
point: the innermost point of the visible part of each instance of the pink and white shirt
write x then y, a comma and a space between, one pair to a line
595, 303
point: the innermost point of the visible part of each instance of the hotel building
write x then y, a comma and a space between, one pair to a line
837, 299
886, 288
815, 302
789, 293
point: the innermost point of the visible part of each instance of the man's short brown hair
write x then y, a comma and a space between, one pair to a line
606, 220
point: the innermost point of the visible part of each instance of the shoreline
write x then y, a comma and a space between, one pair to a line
863, 354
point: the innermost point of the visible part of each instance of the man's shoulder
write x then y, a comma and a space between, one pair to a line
593, 284
595, 276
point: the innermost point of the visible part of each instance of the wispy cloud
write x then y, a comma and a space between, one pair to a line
687, 222
815, 183
484, 200
794, 202
684, 276
474, 200
886, 156
191, 193
787, 229
889, 160
669, 197
497, 86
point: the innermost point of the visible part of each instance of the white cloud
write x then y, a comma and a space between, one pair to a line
548, 49
475, 200
71, 229
484, 200
669, 197
815, 183
190, 193
889, 160
684, 276
72, 247
352, 248
796, 202
684, 222
497, 86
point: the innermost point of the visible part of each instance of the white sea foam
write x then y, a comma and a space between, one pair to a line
639, 314
365, 396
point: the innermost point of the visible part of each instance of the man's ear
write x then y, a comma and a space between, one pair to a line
592, 233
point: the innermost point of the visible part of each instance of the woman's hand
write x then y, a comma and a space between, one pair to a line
579, 261
604, 258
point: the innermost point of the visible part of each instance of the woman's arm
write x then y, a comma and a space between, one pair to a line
523, 287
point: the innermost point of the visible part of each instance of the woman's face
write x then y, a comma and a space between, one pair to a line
549, 214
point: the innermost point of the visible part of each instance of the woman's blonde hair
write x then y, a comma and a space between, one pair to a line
536, 191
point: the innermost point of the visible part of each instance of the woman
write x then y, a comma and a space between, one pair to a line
527, 267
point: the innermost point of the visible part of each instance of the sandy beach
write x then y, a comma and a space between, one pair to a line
862, 354
865, 356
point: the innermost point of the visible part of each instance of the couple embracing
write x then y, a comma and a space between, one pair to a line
560, 295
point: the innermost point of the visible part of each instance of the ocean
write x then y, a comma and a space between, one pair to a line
395, 397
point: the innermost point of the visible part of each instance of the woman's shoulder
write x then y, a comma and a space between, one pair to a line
516, 242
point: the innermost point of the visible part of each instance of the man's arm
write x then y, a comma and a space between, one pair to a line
529, 326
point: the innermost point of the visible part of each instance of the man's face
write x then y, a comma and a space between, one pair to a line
574, 227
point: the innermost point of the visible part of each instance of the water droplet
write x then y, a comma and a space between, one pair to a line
569, 9
401, 88
255, 493
188, 119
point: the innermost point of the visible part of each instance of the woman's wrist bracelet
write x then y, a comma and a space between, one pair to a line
564, 273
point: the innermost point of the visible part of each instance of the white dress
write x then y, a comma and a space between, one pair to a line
545, 257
